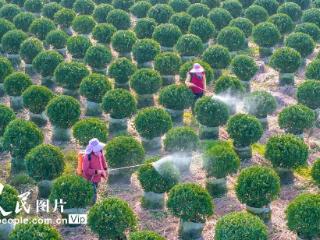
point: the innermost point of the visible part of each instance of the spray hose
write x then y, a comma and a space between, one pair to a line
123, 168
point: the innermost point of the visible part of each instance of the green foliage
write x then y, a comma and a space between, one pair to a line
211, 3
77, 46
304, 4
41, 27
36, 98
260, 104
145, 50
123, 40
8, 200
182, 20
30, 48
67, 3
227, 84
83, 24
101, 12
46, 62
301, 42
6, 116
123, 4
50, 9
11, 41
23, 21
186, 67
244, 67
119, 18
140, 9
198, 10
270, 5
311, 15
179, 5
292, 9
217, 56
309, 28
285, 60
83, 7
286, 151
176, 97
309, 94
220, 17
181, 139
145, 81
232, 38
160, 13
190, 202
256, 14
313, 70
145, 235
244, 24
9, 11
315, 171
16, 83
33, 6
98, 56
64, 17
257, 186
283, 22
103, 33
144, 27
167, 63
5, 68
121, 69
5, 26
167, 34
203, 28
189, 45
266, 34
57, 39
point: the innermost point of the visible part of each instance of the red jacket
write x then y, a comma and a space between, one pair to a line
198, 81
92, 165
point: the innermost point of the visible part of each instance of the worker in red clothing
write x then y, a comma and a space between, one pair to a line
196, 80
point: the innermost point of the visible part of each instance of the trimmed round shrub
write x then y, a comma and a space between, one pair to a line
220, 17
41, 27
257, 186
140, 9
244, 24
67, 3
63, 111
122, 4
5, 26
227, 84
16, 83
179, 5
89, 128
122, 41
217, 56
309, 28
11, 41
9, 11
144, 27
301, 42
57, 39
185, 68
176, 97
181, 139
103, 32
292, 9
83, 7
260, 104
111, 217
285, 60
246, 3
270, 5
6, 116
23, 20
160, 13
266, 34
46, 62
302, 215
296, 118
244, 67
36, 98
240, 225
50, 9
124, 151
211, 3
75, 190
311, 15
256, 14
145, 235
5, 68
119, 18
45, 162
234, 7
31, 230
98, 56
8, 200
203, 28
20, 137
152, 122
244, 130
283, 22
33, 6
309, 94
167, 34
167, 63
145, 81
313, 70
232, 38
211, 112
30, 48
94, 87
190, 202
64, 17
182, 20
315, 171
77, 46
101, 12
198, 10
120, 103
121, 70
189, 45
145, 50
286, 151
83, 24
220, 161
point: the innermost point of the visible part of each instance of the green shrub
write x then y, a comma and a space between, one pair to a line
94, 87
98, 56
12, 40
145, 50
257, 186
315, 171
182, 20
41, 27
145, 81
119, 18
5, 26
50, 9
101, 12
240, 225
5, 68
244, 67
44, 162
122, 41
63, 111
244, 130
244, 24
77, 46
89, 128
152, 122
309, 94
20, 137
6, 116
198, 10
228, 84
64, 17
179, 5
211, 3
260, 104
16, 83
311, 15
292, 9
122, 4
186, 67
36, 98
220, 17
30, 48
270, 5
234, 7
286, 151
211, 112
285, 60
313, 70
220, 161
23, 20
144, 27
145, 235
181, 139
232, 38
83, 24
103, 33
283, 22
203, 28
111, 217
83, 7
303, 214
46, 62
33, 6
189, 45
160, 13
167, 34
121, 69
266, 34
57, 39
217, 56
140, 9
8, 200
309, 28
76, 191
176, 97
29, 230
301, 42
296, 118
67, 3
167, 63
304, 4
256, 14
190, 202
9, 11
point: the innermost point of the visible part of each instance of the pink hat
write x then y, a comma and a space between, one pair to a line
94, 146
197, 68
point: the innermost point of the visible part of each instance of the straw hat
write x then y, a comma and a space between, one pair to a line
197, 68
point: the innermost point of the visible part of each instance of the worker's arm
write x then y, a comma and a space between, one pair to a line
188, 80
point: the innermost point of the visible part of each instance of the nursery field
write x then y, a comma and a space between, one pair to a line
208, 109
